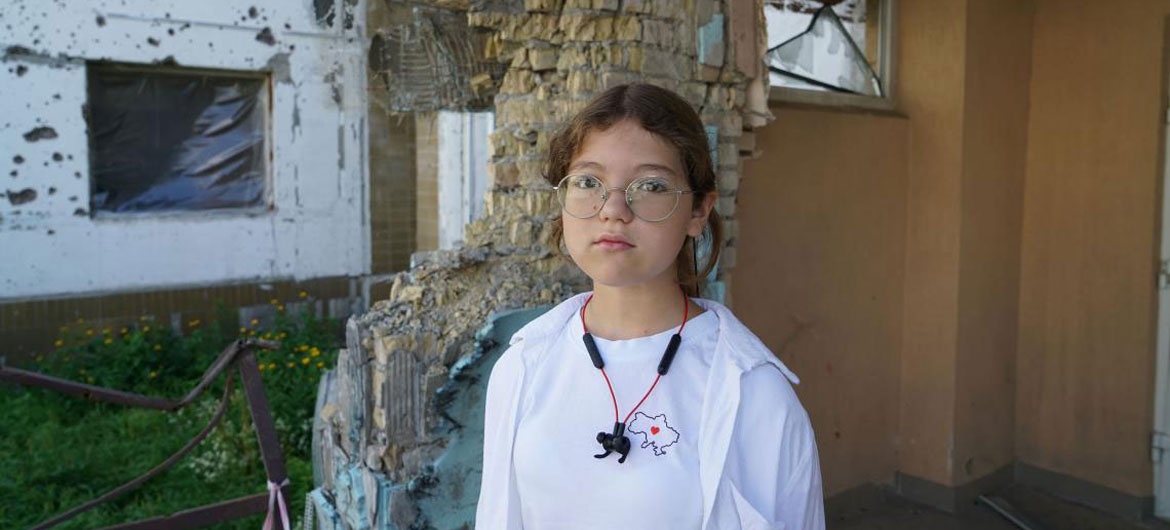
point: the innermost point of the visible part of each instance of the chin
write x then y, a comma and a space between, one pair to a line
614, 276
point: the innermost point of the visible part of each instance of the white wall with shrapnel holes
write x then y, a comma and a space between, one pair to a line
314, 219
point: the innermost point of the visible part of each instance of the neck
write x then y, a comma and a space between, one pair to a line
627, 312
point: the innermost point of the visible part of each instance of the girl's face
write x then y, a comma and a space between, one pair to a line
615, 247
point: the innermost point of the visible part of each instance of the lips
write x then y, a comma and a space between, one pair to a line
613, 242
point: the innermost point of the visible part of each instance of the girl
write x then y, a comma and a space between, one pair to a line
635, 405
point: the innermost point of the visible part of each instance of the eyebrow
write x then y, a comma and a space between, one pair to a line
590, 163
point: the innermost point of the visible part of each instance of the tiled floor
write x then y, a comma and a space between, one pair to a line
885, 511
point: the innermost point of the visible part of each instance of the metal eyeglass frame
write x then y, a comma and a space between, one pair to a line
625, 193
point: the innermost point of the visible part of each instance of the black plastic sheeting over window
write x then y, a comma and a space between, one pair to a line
167, 140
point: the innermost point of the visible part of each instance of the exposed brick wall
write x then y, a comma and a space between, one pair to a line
426, 142
392, 190
29, 328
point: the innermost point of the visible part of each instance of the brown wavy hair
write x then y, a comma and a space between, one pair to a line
666, 115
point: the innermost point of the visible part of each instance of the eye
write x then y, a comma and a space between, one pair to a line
652, 185
584, 181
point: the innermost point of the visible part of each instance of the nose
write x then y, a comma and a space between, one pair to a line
615, 206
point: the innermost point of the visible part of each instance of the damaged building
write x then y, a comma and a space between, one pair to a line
946, 217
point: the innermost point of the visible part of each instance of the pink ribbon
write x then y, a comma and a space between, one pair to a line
276, 497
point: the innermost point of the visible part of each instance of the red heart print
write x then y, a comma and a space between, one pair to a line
653, 430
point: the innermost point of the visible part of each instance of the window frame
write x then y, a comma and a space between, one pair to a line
268, 203
887, 75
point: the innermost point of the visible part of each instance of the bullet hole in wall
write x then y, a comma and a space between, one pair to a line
40, 133
18, 198
266, 36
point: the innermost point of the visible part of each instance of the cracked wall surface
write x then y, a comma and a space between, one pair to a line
386, 421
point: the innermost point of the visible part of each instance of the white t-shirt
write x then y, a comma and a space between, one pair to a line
562, 486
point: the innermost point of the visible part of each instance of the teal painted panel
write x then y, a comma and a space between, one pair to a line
448, 500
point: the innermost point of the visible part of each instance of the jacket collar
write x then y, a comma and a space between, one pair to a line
745, 350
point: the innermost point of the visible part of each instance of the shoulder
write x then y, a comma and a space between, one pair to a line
526, 345
766, 383
551, 323
510, 363
742, 347
770, 413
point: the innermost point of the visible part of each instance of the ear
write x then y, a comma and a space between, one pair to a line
700, 213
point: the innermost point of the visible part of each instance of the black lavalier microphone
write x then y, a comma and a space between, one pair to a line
617, 441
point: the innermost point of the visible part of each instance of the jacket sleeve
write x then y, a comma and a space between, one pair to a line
498, 507
773, 459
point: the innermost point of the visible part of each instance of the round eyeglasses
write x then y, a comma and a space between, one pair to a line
650, 198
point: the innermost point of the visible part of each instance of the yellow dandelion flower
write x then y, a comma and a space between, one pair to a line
108, 341
303, 347
303, 294
243, 329
253, 332
261, 367
305, 360
58, 343
106, 330
291, 365
271, 366
145, 329
274, 301
255, 321
320, 364
125, 330
315, 352
89, 333
144, 318
153, 373
282, 335
280, 307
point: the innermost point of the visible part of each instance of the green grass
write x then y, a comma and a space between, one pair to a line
57, 452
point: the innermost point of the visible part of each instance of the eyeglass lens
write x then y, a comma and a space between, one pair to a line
651, 199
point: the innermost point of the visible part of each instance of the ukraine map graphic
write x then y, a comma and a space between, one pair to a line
655, 432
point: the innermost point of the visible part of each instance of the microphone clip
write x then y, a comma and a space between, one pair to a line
616, 442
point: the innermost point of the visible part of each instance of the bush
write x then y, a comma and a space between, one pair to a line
58, 452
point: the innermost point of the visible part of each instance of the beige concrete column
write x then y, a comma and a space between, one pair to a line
964, 84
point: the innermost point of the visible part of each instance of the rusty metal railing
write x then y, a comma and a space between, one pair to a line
238, 353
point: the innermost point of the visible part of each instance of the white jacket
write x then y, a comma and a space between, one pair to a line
758, 460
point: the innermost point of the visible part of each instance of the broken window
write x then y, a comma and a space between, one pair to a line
837, 46
171, 139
